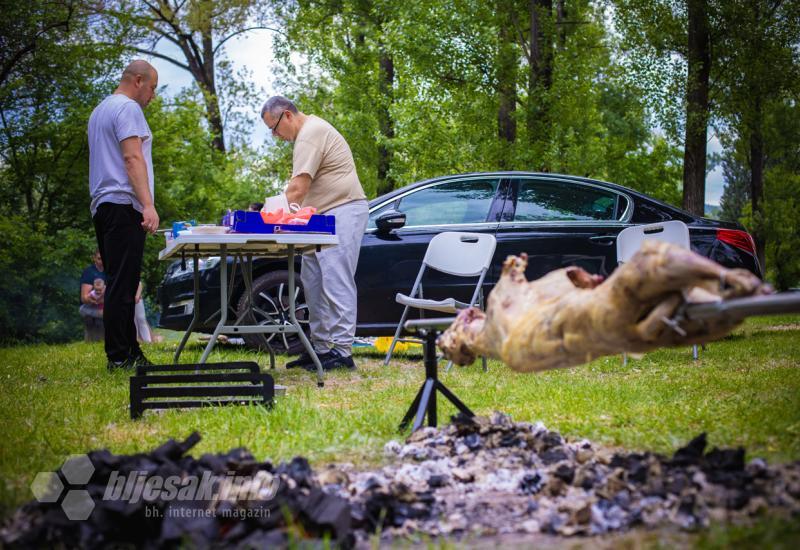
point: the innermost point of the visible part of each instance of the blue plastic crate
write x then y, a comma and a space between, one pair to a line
180, 226
251, 222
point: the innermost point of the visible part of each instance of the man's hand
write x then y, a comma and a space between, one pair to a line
150, 222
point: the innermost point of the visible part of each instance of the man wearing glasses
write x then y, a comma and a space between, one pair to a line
324, 176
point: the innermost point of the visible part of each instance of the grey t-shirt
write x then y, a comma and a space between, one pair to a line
117, 118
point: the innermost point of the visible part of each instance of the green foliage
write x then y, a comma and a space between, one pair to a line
445, 92
782, 226
779, 218
45, 102
780, 223
39, 290
736, 193
652, 43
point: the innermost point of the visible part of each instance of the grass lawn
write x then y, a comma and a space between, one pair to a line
745, 390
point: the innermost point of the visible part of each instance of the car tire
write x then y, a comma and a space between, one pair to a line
271, 306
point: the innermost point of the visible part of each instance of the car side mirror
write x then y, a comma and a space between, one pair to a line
390, 220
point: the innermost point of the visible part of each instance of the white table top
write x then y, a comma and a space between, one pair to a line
251, 243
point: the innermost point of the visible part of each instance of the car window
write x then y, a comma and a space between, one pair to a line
565, 201
462, 201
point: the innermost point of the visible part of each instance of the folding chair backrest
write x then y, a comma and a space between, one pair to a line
462, 254
630, 239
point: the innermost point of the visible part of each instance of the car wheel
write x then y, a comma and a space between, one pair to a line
271, 307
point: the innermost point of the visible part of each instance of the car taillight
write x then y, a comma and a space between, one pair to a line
740, 239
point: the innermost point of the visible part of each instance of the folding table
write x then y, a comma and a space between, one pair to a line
246, 246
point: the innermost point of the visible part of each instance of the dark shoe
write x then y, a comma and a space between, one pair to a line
300, 362
140, 361
126, 364
334, 359
311, 367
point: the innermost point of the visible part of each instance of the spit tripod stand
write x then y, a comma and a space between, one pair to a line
425, 401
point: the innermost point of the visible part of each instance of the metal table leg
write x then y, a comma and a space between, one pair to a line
293, 317
223, 295
196, 310
247, 275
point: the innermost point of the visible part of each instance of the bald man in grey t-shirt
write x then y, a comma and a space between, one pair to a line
123, 212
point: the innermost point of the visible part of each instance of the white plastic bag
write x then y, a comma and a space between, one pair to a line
271, 204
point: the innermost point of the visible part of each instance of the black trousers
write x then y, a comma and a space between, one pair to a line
120, 238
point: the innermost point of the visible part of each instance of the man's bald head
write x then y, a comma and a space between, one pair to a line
139, 82
139, 68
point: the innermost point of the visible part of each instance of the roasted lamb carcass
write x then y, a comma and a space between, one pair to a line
569, 317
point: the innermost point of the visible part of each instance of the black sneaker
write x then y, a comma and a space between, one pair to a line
140, 361
301, 361
126, 364
311, 367
334, 359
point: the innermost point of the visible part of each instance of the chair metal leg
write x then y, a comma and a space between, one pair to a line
624, 359
483, 361
695, 355
396, 336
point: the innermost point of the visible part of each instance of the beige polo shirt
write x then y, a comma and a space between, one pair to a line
321, 152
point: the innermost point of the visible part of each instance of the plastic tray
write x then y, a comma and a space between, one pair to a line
251, 222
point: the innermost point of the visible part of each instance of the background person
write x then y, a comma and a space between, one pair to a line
89, 276
91, 314
123, 212
324, 176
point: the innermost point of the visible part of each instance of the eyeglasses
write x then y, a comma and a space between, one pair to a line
272, 129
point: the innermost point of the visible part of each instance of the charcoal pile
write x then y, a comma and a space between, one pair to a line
480, 477
491, 476
228, 500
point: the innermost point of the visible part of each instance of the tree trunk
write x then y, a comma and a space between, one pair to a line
210, 93
561, 30
386, 88
540, 76
699, 65
506, 87
757, 181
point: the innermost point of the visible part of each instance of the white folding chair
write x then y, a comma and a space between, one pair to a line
630, 240
454, 253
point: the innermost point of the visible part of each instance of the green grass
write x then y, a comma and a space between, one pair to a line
745, 390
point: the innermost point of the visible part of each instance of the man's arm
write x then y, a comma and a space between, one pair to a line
137, 176
297, 189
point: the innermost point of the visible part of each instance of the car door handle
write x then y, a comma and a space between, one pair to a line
603, 239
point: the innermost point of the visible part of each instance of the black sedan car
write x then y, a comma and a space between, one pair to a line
558, 220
